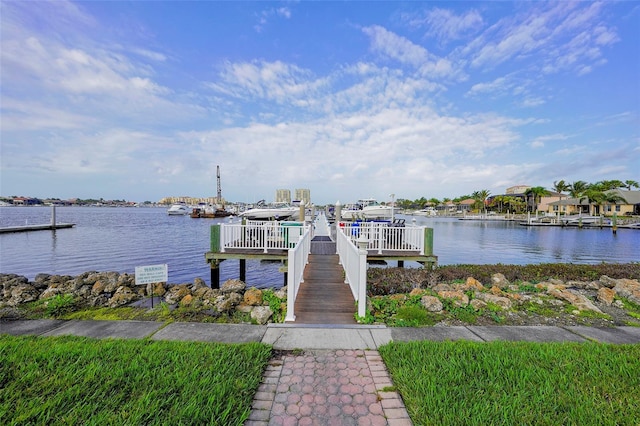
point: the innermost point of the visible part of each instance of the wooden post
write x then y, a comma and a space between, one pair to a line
53, 216
428, 241
614, 223
243, 270
400, 263
215, 274
215, 238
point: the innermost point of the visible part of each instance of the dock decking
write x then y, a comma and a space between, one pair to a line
324, 297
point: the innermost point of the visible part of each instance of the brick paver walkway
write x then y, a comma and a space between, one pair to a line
341, 387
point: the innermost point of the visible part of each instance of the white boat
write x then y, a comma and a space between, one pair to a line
427, 211
178, 209
368, 208
277, 211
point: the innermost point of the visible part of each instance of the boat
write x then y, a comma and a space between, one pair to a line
203, 210
427, 211
209, 211
368, 208
275, 211
178, 209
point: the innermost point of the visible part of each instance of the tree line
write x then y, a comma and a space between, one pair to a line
597, 193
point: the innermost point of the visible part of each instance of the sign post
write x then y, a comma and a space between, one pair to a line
152, 274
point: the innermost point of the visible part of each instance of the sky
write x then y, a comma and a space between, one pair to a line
141, 100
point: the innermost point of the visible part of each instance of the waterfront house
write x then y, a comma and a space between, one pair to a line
551, 197
630, 205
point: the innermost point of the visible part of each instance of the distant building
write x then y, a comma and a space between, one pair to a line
302, 195
283, 196
191, 201
26, 201
517, 189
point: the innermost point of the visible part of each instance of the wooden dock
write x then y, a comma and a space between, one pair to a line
29, 228
324, 297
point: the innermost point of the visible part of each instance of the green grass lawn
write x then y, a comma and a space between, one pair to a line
517, 383
75, 380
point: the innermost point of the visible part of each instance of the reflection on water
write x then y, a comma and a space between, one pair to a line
119, 239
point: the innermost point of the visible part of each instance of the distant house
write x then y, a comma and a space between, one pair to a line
26, 201
630, 205
517, 189
466, 205
552, 197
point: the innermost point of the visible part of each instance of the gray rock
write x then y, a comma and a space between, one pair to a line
431, 303
233, 286
226, 302
500, 281
22, 293
261, 314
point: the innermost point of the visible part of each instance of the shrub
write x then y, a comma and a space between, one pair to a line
60, 304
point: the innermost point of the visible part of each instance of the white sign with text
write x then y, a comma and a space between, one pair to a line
152, 274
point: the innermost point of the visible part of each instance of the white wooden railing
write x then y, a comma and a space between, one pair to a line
297, 260
354, 261
380, 236
260, 235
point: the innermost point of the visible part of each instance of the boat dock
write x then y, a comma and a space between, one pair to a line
323, 291
28, 228
43, 227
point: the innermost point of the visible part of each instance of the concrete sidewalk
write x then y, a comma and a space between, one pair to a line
315, 337
338, 377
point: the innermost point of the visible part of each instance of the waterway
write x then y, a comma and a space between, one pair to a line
119, 239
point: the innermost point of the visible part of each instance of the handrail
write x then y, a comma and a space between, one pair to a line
298, 257
260, 235
380, 236
354, 261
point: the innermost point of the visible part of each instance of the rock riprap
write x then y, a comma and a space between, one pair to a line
113, 289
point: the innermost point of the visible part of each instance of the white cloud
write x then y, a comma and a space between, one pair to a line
566, 36
395, 47
445, 24
265, 16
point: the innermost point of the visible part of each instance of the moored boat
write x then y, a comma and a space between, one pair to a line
277, 211
209, 212
368, 208
178, 209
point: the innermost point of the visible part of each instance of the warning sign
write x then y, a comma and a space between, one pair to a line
152, 274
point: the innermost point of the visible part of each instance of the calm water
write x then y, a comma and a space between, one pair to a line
119, 239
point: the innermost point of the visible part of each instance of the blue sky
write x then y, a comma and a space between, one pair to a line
141, 100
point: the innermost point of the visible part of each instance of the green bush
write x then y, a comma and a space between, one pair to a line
276, 305
60, 304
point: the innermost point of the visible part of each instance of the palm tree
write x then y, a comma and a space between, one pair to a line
481, 197
577, 188
631, 184
537, 192
516, 204
498, 200
561, 186
606, 185
600, 198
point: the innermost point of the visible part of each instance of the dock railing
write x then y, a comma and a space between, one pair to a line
260, 235
297, 260
385, 236
353, 259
